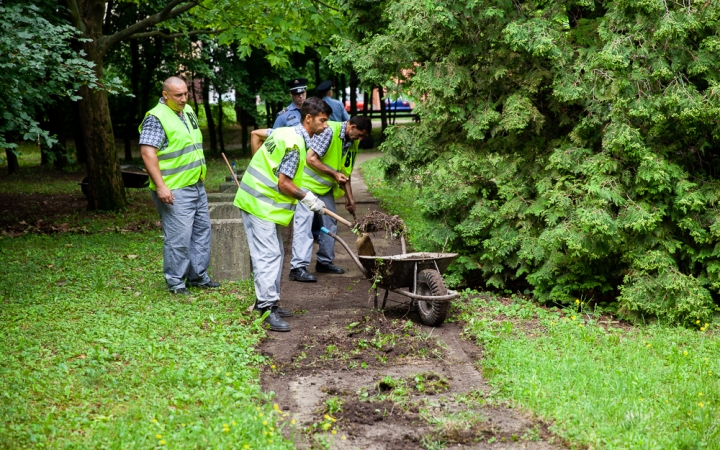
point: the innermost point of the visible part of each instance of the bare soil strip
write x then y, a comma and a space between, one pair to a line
384, 380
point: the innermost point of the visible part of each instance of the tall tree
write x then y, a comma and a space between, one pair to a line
39, 67
276, 25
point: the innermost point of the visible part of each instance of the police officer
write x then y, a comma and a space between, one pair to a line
267, 198
290, 116
325, 89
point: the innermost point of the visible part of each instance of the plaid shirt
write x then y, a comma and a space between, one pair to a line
289, 164
321, 142
153, 133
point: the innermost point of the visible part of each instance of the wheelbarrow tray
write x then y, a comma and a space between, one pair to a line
134, 177
398, 271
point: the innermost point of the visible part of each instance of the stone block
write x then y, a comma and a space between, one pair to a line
228, 187
220, 197
224, 210
229, 253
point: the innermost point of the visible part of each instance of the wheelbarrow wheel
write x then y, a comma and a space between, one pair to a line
430, 283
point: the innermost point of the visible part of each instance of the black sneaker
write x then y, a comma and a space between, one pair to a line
328, 268
180, 291
301, 274
274, 320
208, 285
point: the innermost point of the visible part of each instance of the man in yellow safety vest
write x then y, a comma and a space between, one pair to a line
171, 148
268, 196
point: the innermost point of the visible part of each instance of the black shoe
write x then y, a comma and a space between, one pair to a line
301, 274
328, 268
209, 285
282, 312
274, 320
180, 291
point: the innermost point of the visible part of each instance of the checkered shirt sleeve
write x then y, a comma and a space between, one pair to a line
321, 142
289, 164
153, 134
346, 142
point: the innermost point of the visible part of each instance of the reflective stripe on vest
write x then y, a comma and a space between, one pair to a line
182, 162
259, 193
320, 183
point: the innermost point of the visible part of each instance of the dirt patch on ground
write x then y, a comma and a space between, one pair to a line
373, 341
355, 378
60, 213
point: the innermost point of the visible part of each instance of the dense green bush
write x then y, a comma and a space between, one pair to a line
571, 145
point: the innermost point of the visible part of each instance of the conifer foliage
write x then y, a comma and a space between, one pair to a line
571, 145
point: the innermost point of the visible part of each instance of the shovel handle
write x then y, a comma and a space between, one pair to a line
336, 217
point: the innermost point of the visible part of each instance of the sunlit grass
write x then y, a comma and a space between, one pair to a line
96, 353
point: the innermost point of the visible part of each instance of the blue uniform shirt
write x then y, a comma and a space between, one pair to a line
338, 110
288, 117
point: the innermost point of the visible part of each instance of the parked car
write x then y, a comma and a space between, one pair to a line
397, 105
360, 104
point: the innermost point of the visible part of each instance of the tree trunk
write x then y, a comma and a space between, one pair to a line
220, 124
353, 93
57, 115
367, 100
194, 94
133, 120
80, 148
383, 112
208, 114
12, 161
342, 87
105, 186
268, 114
317, 70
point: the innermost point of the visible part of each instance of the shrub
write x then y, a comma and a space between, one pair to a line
571, 145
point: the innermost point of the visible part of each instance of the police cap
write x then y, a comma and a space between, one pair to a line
297, 85
324, 86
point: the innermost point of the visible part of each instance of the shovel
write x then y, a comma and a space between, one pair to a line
363, 243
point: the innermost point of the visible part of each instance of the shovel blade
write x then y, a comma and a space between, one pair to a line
365, 246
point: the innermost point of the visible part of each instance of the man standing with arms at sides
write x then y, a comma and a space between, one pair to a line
267, 198
330, 163
171, 148
339, 114
290, 116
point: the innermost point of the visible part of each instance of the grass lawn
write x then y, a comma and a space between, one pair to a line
95, 353
599, 382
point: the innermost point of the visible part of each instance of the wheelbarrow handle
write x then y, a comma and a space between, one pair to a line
347, 248
338, 218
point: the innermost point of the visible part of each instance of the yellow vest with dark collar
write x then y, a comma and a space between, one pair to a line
182, 163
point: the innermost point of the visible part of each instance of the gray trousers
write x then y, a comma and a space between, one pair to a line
266, 253
186, 226
302, 234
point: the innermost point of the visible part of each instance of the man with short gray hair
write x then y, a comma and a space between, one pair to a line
171, 148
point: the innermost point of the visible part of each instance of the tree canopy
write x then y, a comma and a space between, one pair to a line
570, 147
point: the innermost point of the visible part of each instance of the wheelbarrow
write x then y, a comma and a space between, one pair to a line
417, 276
132, 176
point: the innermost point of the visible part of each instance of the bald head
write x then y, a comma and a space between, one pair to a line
174, 83
175, 93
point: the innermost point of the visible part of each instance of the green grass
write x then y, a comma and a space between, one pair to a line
600, 385
96, 354
646, 387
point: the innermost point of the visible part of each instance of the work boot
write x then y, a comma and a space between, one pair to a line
328, 268
208, 285
180, 291
282, 312
301, 274
274, 320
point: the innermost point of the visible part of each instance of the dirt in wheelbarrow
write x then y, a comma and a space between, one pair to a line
353, 377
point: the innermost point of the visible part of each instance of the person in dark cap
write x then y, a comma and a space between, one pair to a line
325, 90
290, 116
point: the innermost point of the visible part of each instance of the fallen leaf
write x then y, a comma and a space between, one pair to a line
50, 266
132, 256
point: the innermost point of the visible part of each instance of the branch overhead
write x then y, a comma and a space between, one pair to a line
173, 9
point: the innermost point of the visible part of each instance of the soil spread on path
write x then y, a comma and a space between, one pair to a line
355, 377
